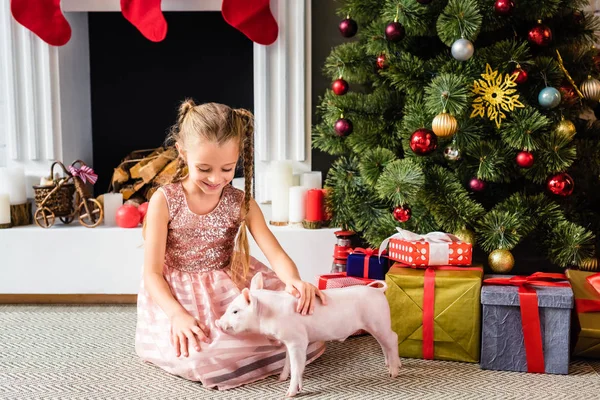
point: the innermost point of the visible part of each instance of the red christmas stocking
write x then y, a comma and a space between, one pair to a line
147, 16
253, 18
44, 18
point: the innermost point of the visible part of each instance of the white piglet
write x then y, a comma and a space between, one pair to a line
348, 310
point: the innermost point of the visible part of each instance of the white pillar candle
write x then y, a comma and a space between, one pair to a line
281, 178
312, 180
4, 208
112, 202
12, 181
296, 178
297, 204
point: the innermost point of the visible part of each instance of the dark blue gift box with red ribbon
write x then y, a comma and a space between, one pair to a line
367, 263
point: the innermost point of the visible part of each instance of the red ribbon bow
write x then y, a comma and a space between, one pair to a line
368, 253
586, 305
530, 314
429, 302
85, 173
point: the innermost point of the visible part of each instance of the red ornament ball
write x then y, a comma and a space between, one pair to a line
568, 96
521, 74
525, 159
348, 27
477, 185
343, 127
423, 141
561, 184
340, 87
540, 35
128, 216
394, 31
402, 213
143, 209
504, 7
381, 61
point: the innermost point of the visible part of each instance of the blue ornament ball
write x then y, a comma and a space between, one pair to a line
549, 97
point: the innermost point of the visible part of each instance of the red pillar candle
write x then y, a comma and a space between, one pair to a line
314, 205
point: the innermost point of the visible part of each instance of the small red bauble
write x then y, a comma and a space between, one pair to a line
402, 213
381, 61
394, 31
561, 184
568, 96
423, 141
525, 159
522, 75
343, 127
540, 35
128, 216
477, 185
143, 209
348, 27
340, 87
504, 7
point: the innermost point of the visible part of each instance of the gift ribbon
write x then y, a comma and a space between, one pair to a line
368, 253
429, 302
438, 255
85, 173
586, 305
530, 315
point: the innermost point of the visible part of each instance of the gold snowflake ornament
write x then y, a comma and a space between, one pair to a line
495, 94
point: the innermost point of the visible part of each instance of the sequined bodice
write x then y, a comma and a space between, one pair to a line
197, 243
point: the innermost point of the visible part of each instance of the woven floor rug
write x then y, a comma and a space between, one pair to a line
86, 352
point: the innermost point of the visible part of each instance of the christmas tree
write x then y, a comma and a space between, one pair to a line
468, 117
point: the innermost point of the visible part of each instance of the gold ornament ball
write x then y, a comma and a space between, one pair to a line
589, 264
466, 235
565, 129
590, 88
444, 125
501, 261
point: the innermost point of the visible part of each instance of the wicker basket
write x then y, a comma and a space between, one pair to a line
61, 201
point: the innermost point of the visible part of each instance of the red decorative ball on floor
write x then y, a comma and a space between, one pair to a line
402, 213
477, 185
561, 184
540, 35
340, 87
504, 7
128, 216
381, 61
394, 31
423, 141
525, 159
348, 27
343, 127
522, 75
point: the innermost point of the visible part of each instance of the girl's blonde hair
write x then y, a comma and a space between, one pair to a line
219, 123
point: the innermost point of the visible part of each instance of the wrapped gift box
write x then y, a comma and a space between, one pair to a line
586, 322
436, 311
435, 248
542, 344
367, 263
340, 280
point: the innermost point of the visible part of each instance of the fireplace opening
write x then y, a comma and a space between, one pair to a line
137, 85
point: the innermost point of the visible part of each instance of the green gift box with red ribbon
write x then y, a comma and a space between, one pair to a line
436, 311
586, 324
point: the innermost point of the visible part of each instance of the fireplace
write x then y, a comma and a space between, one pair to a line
55, 102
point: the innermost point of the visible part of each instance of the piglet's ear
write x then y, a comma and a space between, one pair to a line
246, 294
257, 281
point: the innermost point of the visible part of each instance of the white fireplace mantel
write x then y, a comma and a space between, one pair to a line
45, 104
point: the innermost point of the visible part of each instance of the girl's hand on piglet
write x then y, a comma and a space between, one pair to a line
186, 332
306, 294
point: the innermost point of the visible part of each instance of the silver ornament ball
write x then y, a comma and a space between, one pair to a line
590, 88
452, 153
462, 49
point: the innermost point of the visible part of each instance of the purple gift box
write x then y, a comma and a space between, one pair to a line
367, 263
